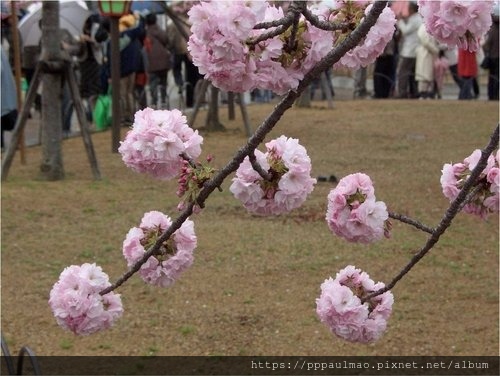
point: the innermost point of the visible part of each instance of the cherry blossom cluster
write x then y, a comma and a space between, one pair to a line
457, 22
353, 212
375, 41
288, 182
76, 303
341, 308
174, 256
218, 47
486, 197
222, 47
156, 141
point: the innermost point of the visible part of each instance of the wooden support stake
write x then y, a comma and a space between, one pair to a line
17, 71
23, 117
82, 119
17, 132
199, 99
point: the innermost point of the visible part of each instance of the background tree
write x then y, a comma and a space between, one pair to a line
51, 167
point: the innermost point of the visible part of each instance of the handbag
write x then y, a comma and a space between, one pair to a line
486, 63
102, 112
9, 120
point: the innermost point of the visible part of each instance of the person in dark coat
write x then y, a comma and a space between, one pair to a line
384, 72
490, 49
90, 61
130, 63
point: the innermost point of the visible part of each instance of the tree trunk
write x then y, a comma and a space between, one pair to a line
230, 106
51, 167
212, 123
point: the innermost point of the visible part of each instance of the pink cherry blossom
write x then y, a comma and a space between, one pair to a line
219, 47
373, 44
457, 23
486, 199
173, 258
353, 213
449, 179
340, 308
290, 168
76, 303
156, 140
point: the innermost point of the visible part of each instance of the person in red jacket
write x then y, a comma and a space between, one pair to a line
467, 70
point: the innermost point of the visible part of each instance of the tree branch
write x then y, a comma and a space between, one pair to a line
275, 23
279, 26
325, 25
258, 137
270, 34
410, 221
450, 214
257, 167
296, 9
471, 195
188, 159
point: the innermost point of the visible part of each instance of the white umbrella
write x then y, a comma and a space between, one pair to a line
72, 16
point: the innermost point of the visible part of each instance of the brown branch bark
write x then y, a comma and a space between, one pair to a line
257, 167
325, 25
412, 222
279, 26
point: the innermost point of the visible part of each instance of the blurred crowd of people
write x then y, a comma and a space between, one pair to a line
414, 64
149, 50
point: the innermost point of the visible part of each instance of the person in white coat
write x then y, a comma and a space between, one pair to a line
426, 53
407, 29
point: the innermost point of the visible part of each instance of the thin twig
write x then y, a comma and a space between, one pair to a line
278, 27
295, 26
274, 23
258, 137
410, 221
257, 167
448, 217
270, 34
325, 25
188, 159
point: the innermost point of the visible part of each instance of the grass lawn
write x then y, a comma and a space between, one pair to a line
252, 288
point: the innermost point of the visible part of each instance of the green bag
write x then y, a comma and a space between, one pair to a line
102, 112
